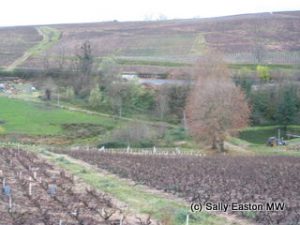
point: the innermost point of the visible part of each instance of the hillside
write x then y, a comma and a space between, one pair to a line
163, 46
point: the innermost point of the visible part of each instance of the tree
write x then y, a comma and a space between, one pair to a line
216, 106
287, 109
69, 93
95, 98
82, 66
85, 58
263, 73
49, 87
162, 101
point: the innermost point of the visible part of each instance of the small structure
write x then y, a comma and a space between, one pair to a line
6, 190
129, 76
273, 141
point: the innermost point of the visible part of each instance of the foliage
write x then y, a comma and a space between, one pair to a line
2, 130
216, 107
85, 58
129, 97
277, 104
263, 73
137, 134
69, 93
288, 106
95, 98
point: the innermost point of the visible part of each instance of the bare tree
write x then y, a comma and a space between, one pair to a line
162, 101
82, 67
61, 57
216, 107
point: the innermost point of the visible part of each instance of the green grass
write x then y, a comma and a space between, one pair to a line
31, 118
255, 138
260, 134
50, 37
253, 66
151, 63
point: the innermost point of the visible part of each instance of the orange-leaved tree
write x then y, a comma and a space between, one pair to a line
216, 107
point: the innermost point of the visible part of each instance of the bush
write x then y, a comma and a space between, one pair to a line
2, 130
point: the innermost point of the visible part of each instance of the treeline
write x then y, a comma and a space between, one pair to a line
99, 86
274, 98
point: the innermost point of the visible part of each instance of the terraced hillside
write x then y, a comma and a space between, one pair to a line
15, 41
167, 46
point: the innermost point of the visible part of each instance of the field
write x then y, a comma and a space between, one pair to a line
214, 179
37, 193
161, 46
26, 118
260, 134
107, 151
15, 41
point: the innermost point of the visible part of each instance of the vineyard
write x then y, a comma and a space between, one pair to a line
262, 179
35, 192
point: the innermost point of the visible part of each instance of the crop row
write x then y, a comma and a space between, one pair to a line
219, 179
35, 192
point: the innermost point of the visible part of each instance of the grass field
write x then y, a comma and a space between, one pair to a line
39, 119
260, 134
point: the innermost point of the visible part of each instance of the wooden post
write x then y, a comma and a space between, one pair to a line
121, 220
10, 202
30, 188
187, 219
3, 182
60, 222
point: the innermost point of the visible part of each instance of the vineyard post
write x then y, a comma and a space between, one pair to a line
128, 149
10, 202
60, 222
154, 149
121, 220
3, 182
34, 175
30, 187
187, 219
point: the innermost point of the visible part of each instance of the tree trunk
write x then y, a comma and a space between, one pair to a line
222, 149
214, 143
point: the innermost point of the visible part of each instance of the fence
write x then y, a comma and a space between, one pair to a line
145, 151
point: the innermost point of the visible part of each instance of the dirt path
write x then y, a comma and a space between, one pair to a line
50, 37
